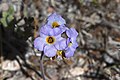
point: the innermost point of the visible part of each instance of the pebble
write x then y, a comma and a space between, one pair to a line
4, 6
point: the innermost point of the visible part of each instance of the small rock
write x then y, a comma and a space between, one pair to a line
4, 6
10, 65
108, 59
77, 71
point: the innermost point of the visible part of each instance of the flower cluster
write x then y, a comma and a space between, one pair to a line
51, 41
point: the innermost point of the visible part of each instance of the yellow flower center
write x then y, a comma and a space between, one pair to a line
61, 53
70, 44
50, 39
55, 24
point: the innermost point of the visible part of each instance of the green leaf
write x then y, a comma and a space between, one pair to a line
4, 14
95, 2
10, 18
7, 15
11, 10
3, 21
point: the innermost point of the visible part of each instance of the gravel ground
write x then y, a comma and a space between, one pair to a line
96, 58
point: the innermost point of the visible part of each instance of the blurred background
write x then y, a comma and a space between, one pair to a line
96, 58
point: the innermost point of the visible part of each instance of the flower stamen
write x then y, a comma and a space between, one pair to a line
70, 44
50, 39
55, 24
61, 53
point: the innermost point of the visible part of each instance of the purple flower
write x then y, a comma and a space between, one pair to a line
55, 20
49, 41
52, 31
71, 41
